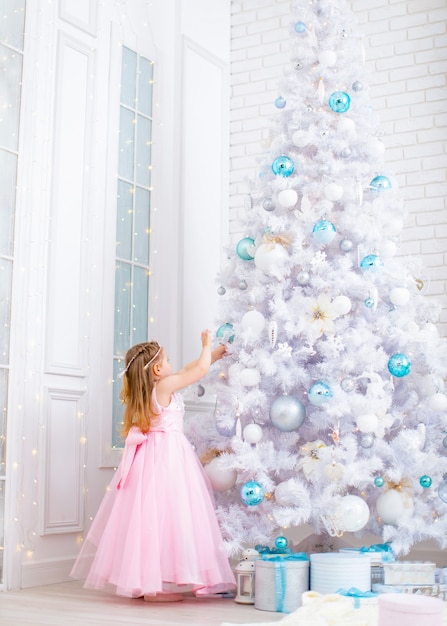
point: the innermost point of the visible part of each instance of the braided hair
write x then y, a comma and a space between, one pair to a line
138, 383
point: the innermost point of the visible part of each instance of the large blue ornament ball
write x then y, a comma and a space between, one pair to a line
399, 365
252, 493
245, 249
371, 263
319, 393
339, 101
283, 166
287, 413
225, 332
281, 542
442, 490
280, 102
300, 27
380, 184
324, 231
379, 481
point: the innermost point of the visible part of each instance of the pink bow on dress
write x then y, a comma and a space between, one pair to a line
134, 439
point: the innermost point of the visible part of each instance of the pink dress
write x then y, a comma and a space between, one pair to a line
156, 524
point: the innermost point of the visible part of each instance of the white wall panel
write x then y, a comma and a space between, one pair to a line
204, 163
80, 13
62, 457
66, 301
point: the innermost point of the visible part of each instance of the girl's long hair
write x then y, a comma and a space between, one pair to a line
138, 383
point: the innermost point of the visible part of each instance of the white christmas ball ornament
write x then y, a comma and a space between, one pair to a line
221, 477
249, 377
341, 305
387, 249
270, 257
438, 402
333, 192
252, 433
254, 322
392, 505
375, 147
287, 198
399, 296
300, 138
346, 125
353, 513
327, 58
367, 423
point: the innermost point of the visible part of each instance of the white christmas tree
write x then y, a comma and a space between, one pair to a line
331, 407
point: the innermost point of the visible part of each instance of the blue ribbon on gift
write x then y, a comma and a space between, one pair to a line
388, 555
280, 562
355, 593
267, 550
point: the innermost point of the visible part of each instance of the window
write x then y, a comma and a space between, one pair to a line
132, 270
11, 60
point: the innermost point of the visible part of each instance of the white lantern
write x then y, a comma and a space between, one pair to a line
245, 578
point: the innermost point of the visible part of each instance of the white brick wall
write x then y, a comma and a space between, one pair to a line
406, 56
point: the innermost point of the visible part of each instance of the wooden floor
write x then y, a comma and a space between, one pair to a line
68, 604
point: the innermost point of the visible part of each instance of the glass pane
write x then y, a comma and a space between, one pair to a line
123, 286
129, 78
5, 308
8, 170
3, 410
140, 305
142, 225
126, 144
143, 156
145, 80
118, 410
12, 22
10, 81
124, 214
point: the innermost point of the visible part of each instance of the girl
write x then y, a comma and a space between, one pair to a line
156, 527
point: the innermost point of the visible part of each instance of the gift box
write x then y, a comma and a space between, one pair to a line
409, 573
330, 571
280, 582
435, 591
411, 611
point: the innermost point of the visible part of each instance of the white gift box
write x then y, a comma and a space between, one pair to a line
280, 583
331, 571
409, 573
436, 591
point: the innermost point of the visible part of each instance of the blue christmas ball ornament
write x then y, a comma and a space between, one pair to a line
371, 262
283, 166
425, 481
324, 231
319, 393
442, 490
380, 184
300, 27
252, 493
281, 542
399, 365
369, 303
245, 249
287, 413
280, 102
379, 481
225, 332
339, 101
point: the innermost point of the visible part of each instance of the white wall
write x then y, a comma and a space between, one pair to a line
406, 47
59, 460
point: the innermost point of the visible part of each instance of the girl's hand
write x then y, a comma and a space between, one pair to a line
206, 339
218, 352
